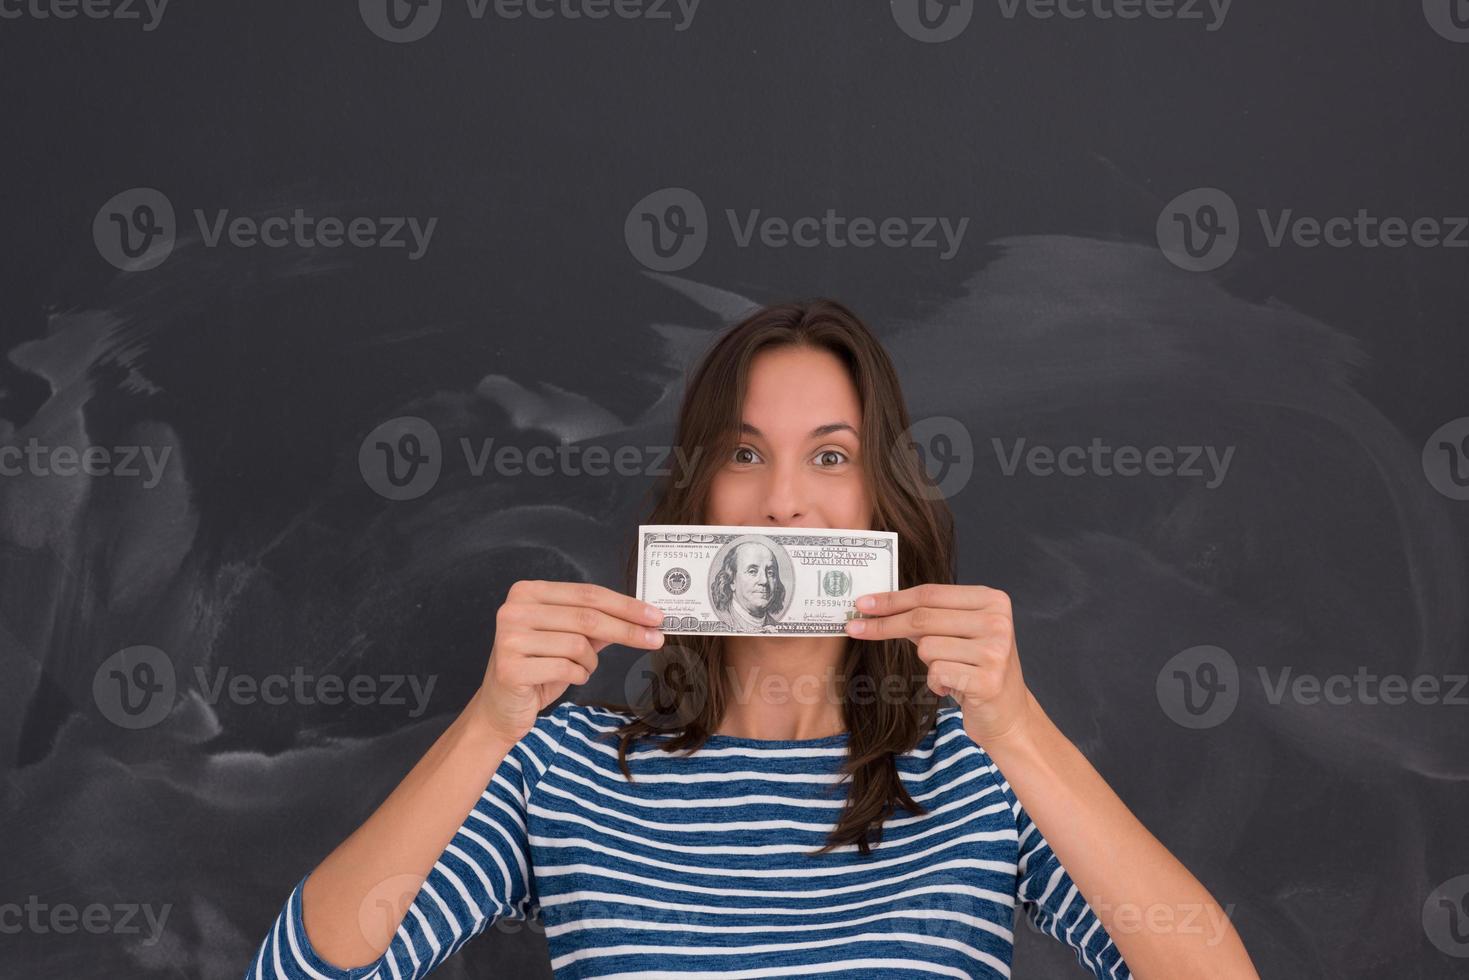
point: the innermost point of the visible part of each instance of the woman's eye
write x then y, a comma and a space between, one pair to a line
743, 449
841, 457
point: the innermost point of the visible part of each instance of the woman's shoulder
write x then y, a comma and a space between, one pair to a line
949, 743
568, 725
948, 725
591, 720
955, 748
950, 722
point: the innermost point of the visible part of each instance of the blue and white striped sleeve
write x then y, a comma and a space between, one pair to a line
481, 876
1051, 900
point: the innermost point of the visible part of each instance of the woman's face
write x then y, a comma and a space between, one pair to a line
798, 461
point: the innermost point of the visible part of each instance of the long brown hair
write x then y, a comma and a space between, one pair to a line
880, 726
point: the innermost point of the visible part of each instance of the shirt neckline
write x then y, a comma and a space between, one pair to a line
716, 740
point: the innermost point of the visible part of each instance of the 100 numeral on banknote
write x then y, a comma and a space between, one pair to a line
726, 580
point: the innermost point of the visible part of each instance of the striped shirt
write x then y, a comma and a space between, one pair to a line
702, 866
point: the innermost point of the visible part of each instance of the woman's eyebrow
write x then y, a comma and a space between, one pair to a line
816, 433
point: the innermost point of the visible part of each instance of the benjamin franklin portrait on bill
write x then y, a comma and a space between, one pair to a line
748, 591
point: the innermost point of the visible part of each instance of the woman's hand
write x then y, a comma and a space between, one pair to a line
966, 636
547, 637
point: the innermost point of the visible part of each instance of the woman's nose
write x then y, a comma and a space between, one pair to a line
784, 500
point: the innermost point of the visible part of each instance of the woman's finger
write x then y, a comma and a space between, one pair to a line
530, 671
947, 677
935, 594
923, 621
599, 627
959, 650
589, 595
567, 646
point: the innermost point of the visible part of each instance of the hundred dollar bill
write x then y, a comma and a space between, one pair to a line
732, 580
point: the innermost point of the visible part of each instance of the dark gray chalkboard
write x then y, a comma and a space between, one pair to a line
1333, 544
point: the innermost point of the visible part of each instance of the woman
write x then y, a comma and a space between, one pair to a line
779, 806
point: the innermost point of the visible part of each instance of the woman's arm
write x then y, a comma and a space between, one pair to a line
351, 907
1164, 922
1161, 918
482, 875
354, 900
